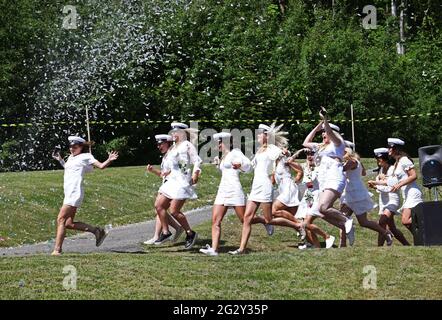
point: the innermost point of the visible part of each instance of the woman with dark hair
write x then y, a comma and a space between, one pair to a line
79, 162
180, 183
164, 143
331, 175
388, 201
230, 192
404, 177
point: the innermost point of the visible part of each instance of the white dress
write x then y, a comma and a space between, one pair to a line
287, 188
74, 170
411, 193
230, 192
388, 200
310, 198
264, 164
356, 195
180, 158
331, 172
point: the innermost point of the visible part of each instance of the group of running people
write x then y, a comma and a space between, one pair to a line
332, 171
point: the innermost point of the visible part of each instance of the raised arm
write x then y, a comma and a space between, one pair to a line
308, 142
103, 165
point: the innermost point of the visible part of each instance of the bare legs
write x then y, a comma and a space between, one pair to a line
65, 220
386, 221
218, 213
314, 230
406, 218
333, 216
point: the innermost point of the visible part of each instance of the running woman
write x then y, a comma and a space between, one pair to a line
180, 181
356, 198
331, 175
261, 194
79, 162
307, 208
389, 202
164, 143
404, 178
230, 192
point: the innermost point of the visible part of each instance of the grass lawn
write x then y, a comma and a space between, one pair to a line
274, 269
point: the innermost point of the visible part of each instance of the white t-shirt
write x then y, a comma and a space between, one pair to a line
74, 170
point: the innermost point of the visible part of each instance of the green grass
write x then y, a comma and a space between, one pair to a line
30, 201
273, 269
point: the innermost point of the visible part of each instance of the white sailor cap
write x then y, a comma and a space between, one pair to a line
264, 128
179, 125
380, 151
333, 126
349, 144
163, 137
221, 135
395, 142
75, 140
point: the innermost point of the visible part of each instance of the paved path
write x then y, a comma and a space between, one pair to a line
120, 239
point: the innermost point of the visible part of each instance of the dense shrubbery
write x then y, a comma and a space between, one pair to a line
224, 60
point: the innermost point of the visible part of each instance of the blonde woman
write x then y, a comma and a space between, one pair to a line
164, 143
331, 175
180, 183
356, 198
230, 192
78, 164
271, 141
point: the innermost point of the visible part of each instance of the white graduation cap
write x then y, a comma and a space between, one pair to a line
75, 140
221, 135
264, 127
349, 144
179, 125
333, 126
395, 142
163, 137
380, 151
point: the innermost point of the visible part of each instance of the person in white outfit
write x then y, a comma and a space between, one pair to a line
356, 198
307, 208
331, 175
230, 192
404, 177
389, 202
180, 183
164, 143
78, 164
261, 194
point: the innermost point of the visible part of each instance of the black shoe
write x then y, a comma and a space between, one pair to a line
163, 238
190, 240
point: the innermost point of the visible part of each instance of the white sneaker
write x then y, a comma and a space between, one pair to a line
389, 239
348, 225
351, 236
177, 234
150, 241
208, 251
236, 252
302, 232
269, 228
329, 242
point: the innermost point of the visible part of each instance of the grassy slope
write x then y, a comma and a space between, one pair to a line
273, 270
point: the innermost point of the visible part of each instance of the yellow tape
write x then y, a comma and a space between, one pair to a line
144, 122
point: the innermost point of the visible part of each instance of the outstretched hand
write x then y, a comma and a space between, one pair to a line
323, 113
57, 156
113, 156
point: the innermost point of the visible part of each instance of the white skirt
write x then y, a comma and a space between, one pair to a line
288, 193
232, 197
262, 190
74, 199
177, 188
411, 198
360, 206
331, 176
309, 208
